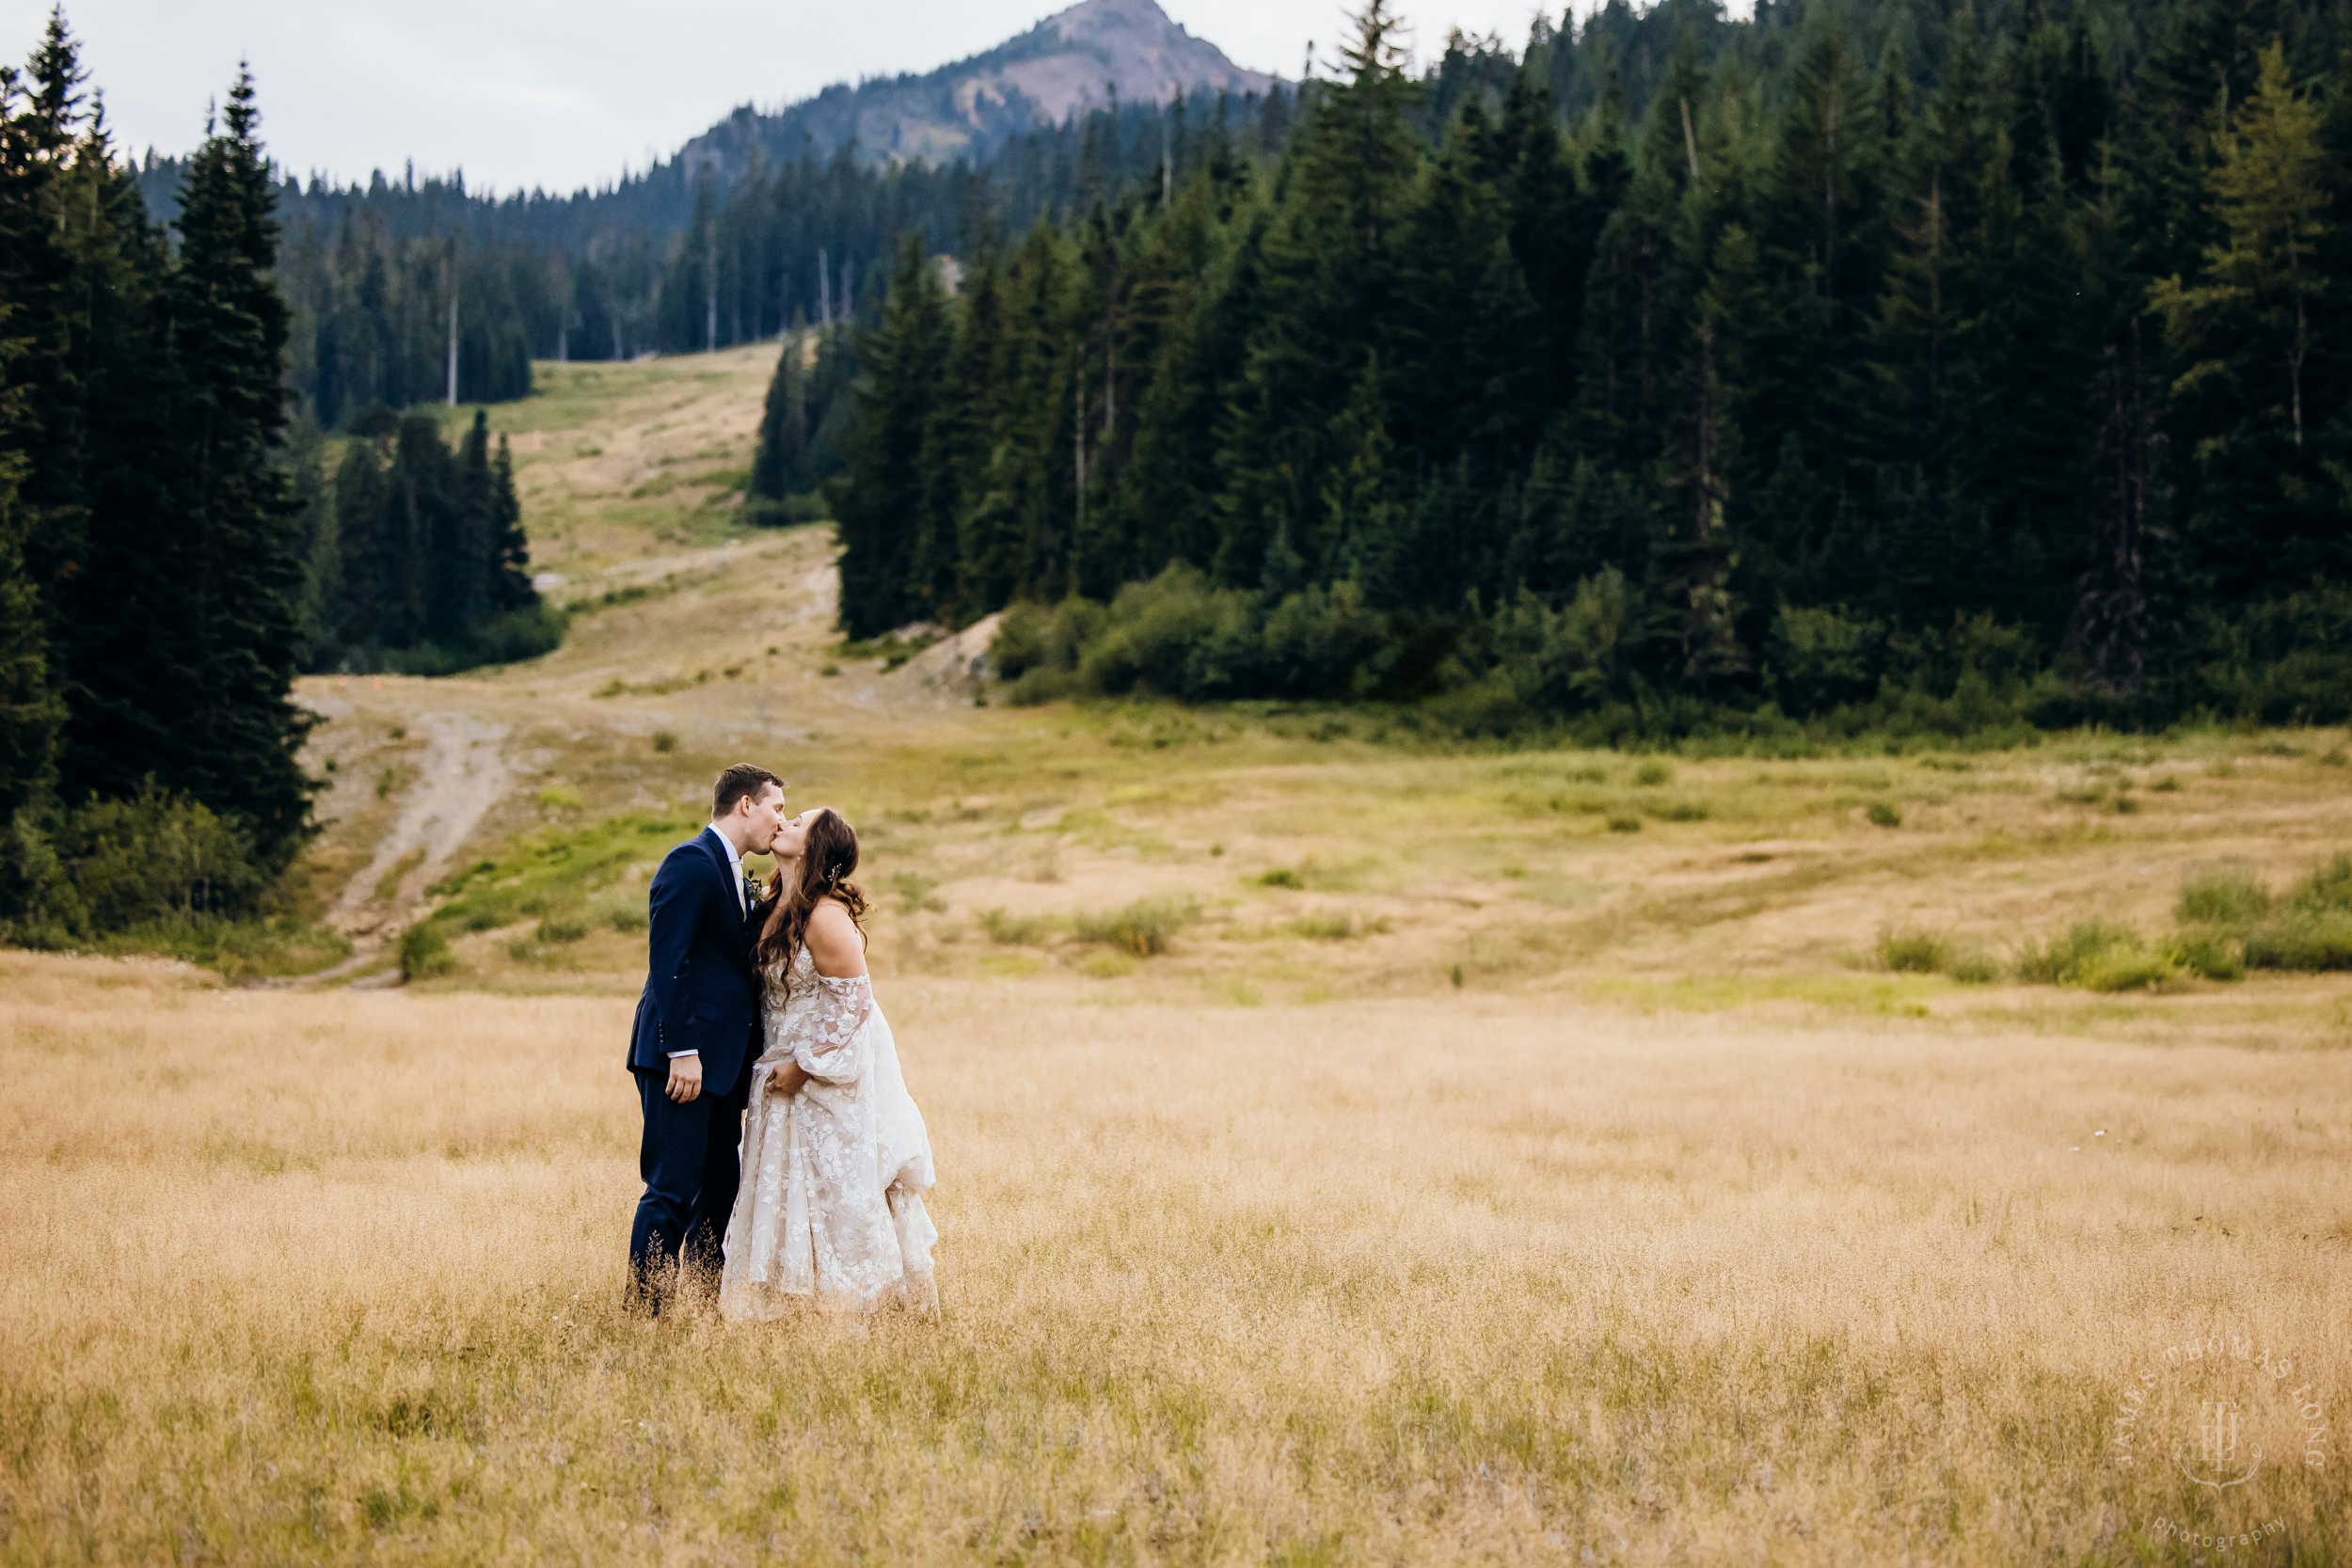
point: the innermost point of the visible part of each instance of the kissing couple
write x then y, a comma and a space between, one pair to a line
781, 1149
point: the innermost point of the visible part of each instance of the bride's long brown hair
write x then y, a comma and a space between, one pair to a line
828, 856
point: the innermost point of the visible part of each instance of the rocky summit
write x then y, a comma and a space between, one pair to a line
1087, 56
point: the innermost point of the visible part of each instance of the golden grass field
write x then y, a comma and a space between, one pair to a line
1468, 1179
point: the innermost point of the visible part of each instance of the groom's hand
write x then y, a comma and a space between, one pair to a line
686, 1078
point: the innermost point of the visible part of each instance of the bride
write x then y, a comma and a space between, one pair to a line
835, 1160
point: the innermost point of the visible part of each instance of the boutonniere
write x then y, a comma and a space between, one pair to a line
751, 894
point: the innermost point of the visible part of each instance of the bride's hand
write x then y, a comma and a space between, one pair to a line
786, 1078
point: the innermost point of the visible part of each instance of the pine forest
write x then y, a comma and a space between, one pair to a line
174, 544
1897, 364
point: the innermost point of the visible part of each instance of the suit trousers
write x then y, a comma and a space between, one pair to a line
689, 1163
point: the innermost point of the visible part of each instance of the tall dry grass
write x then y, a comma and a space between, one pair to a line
335, 1277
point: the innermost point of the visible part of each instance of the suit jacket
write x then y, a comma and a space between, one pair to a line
702, 987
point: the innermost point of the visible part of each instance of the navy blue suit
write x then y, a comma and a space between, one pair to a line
702, 994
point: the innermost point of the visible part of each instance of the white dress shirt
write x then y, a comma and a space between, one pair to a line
735, 879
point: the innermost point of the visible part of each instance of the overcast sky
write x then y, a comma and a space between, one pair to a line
561, 93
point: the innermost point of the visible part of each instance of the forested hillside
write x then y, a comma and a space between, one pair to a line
392, 280
173, 547
1925, 364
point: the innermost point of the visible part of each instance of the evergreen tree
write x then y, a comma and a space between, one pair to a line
2243, 333
878, 503
217, 713
508, 553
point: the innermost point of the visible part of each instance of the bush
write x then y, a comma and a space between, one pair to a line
1975, 967
1015, 930
1324, 927
1145, 927
2127, 968
2096, 955
509, 639
2303, 941
562, 927
1913, 952
622, 910
2209, 954
424, 952
2328, 890
2222, 896
1883, 815
111, 865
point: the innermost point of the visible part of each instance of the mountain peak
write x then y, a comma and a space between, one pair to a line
1075, 60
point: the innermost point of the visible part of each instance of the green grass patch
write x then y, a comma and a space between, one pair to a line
275, 946
556, 873
388, 886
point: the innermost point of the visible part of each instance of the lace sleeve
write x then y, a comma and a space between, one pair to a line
842, 1007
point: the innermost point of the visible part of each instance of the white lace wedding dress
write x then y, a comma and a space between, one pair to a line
830, 1212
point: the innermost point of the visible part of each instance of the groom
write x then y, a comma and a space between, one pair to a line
697, 1033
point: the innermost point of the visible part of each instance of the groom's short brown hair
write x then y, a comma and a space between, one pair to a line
742, 782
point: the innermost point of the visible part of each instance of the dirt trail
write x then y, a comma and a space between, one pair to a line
463, 774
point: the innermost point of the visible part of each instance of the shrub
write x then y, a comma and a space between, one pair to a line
2329, 890
2094, 955
1974, 966
510, 638
1283, 876
913, 892
424, 952
2127, 968
624, 909
562, 927
1654, 772
1913, 952
1144, 927
1883, 815
1623, 822
2220, 896
110, 866
2209, 954
1819, 658
665, 741
2302, 941
1015, 930
1324, 927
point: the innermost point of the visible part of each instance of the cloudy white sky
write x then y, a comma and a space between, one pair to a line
561, 93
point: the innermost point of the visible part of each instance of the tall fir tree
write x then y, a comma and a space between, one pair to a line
217, 713
878, 503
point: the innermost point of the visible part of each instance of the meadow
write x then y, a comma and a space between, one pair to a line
1351, 1146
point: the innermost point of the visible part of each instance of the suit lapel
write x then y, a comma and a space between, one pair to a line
728, 878
718, 853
